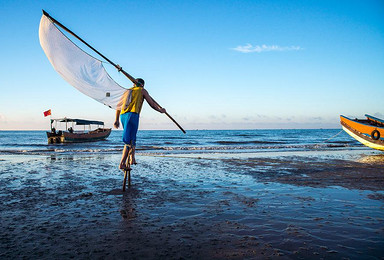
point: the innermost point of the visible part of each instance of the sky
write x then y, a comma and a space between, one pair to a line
211, 64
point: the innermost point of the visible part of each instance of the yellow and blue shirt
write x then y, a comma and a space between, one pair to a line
133, 100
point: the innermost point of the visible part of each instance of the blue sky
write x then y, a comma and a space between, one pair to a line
211, 64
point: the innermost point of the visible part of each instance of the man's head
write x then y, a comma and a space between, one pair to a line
140, 82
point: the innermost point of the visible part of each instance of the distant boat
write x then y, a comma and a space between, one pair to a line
369, 132
69, 135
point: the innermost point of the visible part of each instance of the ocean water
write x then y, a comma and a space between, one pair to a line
308, 194
195, 141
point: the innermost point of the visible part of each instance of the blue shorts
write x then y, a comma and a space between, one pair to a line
130, 123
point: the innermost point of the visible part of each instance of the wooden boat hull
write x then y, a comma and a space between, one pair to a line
364, 131
67, 137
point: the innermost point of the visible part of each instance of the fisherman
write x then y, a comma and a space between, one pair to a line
129, 110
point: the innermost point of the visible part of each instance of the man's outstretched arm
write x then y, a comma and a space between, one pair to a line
152, 103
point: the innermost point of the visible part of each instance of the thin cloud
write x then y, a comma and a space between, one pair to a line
264, 48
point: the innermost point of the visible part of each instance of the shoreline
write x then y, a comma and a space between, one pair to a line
248, 207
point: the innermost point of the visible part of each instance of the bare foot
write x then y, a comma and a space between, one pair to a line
132, 159
124, 167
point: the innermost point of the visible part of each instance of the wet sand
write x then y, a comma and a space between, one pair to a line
307, 205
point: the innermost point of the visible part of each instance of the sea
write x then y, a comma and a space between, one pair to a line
194, 141
299, 193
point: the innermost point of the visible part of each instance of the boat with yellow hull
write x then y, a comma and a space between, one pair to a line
369, 131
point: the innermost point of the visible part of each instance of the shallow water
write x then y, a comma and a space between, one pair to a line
307, 204
175, 142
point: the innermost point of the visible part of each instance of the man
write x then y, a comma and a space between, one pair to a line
128, 110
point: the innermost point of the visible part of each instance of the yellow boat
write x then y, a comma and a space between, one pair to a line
369, 132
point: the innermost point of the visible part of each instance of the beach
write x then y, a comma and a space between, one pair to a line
285, 204
257, 128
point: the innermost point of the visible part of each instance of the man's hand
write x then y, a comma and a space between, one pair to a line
117, 124
162, 110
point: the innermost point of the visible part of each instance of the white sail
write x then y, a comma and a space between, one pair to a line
77, 67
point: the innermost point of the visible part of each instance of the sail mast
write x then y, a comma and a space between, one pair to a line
118, 67
76, 36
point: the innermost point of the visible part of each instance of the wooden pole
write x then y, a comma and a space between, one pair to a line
125, 180
127, 173
128, 163
173, 120
118, 67
75, 35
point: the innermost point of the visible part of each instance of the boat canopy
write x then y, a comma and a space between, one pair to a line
78, 121
378, 120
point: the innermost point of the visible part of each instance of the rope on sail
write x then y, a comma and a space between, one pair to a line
84, 72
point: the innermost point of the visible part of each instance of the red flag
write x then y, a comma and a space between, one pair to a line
47, 113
